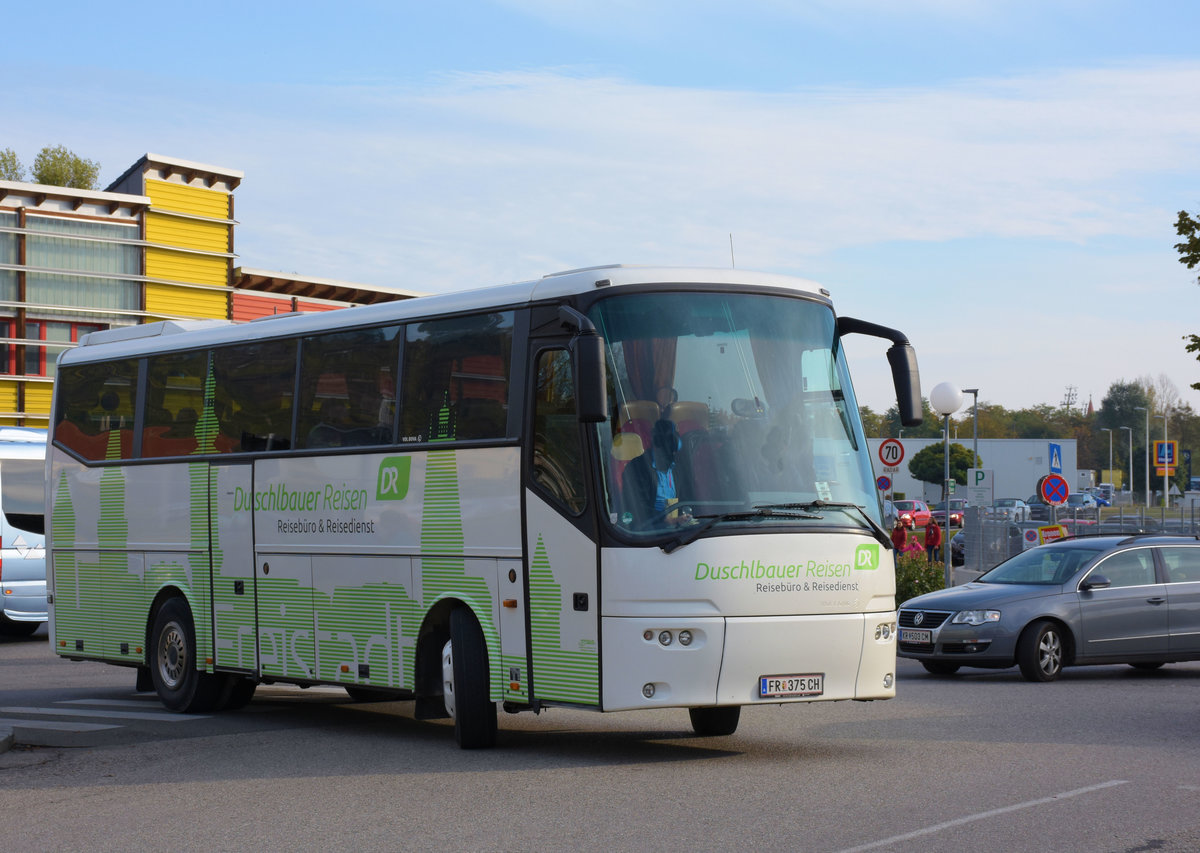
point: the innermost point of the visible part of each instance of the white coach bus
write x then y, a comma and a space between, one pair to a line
613, 488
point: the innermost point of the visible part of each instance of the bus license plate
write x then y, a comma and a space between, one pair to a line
780, 686
909, 635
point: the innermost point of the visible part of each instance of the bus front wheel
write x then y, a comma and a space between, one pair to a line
179, 685
715, 722
466, 683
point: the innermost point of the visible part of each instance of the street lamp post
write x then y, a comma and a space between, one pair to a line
1109, 431
1147, 411
974, 392
946, 399
1166, 467
1130, 462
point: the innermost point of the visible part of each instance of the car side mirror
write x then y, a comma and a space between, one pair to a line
1096, 582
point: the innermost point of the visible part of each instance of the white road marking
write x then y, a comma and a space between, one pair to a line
938, 827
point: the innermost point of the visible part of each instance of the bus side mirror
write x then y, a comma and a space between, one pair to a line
903, 360
587, 353
591, 394
907, 379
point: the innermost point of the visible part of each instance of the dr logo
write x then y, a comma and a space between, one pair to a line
866, 557
392, 481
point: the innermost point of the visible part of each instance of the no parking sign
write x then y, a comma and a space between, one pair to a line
1053, 489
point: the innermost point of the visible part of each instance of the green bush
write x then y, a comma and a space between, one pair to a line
915, 575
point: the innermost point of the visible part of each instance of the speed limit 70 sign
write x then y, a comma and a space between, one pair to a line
891, 452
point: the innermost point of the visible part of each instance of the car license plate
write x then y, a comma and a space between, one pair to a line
910, 635
780, 686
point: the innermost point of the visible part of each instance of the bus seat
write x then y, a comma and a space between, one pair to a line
638, 410
626, 446
689, 415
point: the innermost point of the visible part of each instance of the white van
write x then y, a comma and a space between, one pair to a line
22, 530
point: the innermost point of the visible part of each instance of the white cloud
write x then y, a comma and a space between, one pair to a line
477, 179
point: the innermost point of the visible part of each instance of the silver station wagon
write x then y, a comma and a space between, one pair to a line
1090, 600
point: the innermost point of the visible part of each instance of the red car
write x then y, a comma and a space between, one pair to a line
912, 513
957, 509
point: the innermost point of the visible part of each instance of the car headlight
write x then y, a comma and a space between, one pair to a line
975, 617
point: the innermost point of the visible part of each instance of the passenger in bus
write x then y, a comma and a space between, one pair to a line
649, 484
666, 398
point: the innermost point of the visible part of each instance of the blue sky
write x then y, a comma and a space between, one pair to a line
998, 179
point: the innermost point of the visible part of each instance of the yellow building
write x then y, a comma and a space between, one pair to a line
157, 244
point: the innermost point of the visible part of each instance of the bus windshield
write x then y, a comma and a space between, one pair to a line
731, 407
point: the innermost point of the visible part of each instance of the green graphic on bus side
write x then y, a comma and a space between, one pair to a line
364, 634
866, 557
391, 483
570, 676
443, 568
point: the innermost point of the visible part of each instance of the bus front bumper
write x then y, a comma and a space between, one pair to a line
747, 660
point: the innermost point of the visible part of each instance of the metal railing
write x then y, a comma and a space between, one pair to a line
989, 540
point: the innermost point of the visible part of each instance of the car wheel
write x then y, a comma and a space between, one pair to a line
179, 685
1040, 652
715, 722
467, 684
939, 667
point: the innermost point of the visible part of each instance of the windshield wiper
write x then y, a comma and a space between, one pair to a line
690, 534
880, 534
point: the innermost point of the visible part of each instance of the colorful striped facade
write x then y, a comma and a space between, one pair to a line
157, 244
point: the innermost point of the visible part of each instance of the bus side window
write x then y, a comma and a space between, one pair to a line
175, 398
557, 456
348, 388
255, 384
456, 374
96, 408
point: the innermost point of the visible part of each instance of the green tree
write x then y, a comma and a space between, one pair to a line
10, 166
874, 425
928, 464
60, 167
930, 427
1189, 255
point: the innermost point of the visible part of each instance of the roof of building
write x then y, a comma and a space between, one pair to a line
187, 168
306, 287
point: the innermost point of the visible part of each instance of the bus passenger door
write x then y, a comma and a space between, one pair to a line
231, 534
562, 570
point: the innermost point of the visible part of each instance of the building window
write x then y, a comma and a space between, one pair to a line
58, 335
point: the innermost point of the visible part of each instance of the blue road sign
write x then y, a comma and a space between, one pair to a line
883, 483
1055, 458
1054, 489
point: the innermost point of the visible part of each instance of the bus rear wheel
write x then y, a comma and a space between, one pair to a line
179, 685
466, 683
715, 722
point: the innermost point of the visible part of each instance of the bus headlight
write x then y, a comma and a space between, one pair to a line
664, 637
685, 637
885, 631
